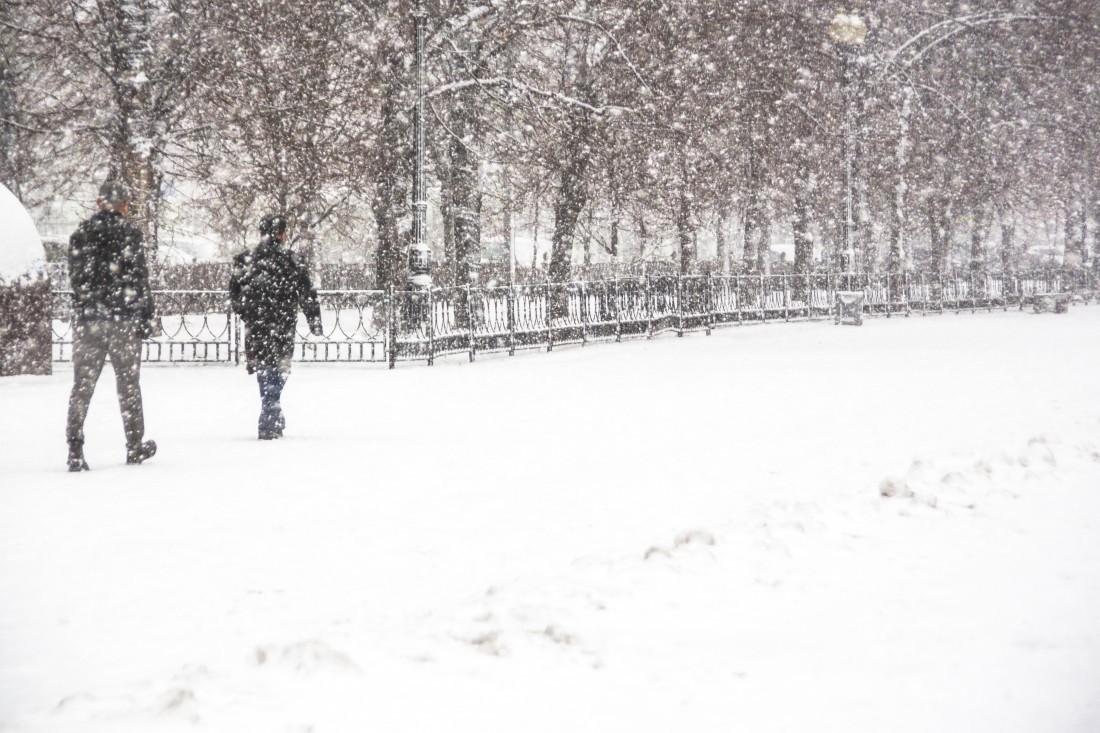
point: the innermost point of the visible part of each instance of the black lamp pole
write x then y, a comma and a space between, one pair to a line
420, 254
848, 31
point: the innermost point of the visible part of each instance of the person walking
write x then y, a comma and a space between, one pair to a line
112, 311
267, 289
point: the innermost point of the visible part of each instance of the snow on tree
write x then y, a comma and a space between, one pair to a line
637, 130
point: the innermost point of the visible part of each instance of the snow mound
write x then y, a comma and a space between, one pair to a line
304, 657
21, 252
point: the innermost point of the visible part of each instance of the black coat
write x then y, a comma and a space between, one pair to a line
107, 270
268, 287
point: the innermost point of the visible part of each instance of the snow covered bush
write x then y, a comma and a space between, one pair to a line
24, 292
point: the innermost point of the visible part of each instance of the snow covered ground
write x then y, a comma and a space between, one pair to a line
683, 534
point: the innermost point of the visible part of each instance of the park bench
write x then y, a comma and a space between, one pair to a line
1053, 302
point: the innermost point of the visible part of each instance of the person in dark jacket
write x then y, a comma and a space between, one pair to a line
268, 288
112, 312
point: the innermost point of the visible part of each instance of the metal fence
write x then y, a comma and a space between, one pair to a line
387, 327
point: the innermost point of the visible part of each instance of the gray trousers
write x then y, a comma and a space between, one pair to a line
93, 343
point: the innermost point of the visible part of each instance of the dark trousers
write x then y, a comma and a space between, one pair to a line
93, 343
271, 380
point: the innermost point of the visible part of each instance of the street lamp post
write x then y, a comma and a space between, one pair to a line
420, 254
848, 31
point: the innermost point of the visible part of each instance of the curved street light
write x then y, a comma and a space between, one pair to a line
848, 31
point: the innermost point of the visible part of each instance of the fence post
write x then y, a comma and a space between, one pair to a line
761, 301
618, 309
471, 321
236, 345
786, 297
583, 291
648, 307
905, 294
680, 303
737, 295
430, 316
808, 295
549, 318
391, 326
889, 296
708, 303
511, 319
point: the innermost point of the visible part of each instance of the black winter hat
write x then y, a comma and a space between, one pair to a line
114, 192
272, 225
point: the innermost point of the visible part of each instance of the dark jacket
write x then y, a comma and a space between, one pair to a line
268, 287
107, 270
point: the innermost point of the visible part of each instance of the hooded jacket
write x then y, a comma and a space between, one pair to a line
107, 271
268, 288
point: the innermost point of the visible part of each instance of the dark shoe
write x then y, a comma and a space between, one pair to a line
271, 424
76, 459
77, 463
141, 453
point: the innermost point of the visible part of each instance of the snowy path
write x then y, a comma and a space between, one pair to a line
678, 534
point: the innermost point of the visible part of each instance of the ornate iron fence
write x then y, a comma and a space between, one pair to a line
387, 327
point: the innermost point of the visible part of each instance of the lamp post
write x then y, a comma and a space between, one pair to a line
848, 30
420, 254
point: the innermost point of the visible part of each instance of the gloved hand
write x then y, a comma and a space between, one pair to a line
150, 328
315, 327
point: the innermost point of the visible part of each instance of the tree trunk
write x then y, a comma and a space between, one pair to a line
614, 247
133, 141
1096, 229
1075, 234
465, 195
390, 205
535, 238
643, 232
10, 168
978, 231
572, 194
1008, 243
803, 242
1084, 240
939, 228
588, 240
443, 274
721, 234
756, 218
898, 211
686, 231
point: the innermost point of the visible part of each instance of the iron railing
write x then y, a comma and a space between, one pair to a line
387, 327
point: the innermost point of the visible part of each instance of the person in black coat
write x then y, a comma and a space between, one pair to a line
268, 288
112, 312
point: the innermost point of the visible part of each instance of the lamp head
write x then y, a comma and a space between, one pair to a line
848, 29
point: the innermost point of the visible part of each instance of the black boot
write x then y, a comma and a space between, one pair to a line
76, 458
140, 453
271, 424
